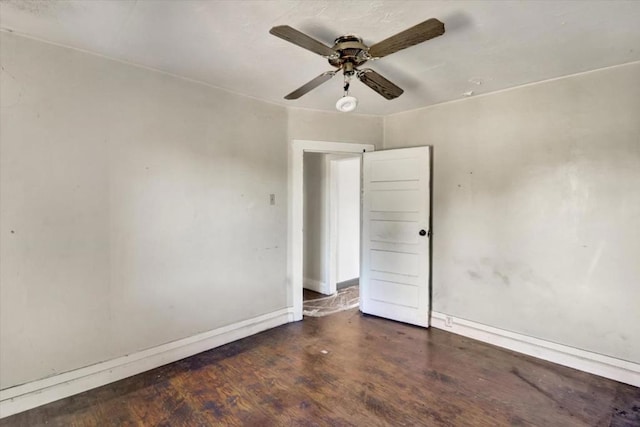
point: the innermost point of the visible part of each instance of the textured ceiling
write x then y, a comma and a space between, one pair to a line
488, 46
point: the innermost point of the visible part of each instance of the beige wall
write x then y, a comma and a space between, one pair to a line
536, 208
335, 127
132, 203
134, 207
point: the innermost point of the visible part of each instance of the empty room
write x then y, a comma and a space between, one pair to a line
319, 213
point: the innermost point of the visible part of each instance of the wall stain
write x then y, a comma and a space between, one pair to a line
502, 276
7, 73
39, 7
473, 275
506, 271
529, 276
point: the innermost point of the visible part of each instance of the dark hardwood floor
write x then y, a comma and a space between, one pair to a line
350, 369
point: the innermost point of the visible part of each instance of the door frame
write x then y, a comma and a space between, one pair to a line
295, 224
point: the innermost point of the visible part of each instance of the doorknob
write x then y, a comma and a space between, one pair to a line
422, 233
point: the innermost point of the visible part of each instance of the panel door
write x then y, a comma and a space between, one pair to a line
395, 269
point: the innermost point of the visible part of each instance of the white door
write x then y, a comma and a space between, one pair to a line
394, 278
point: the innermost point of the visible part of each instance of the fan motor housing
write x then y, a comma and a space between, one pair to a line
352, 52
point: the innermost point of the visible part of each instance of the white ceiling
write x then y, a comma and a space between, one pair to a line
488, 45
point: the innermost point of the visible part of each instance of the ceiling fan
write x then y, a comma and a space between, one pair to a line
349, 52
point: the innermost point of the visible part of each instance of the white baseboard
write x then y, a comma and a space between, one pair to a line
314, 285
594, 363
30, 395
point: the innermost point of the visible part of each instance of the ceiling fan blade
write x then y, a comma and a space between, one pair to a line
311, 85
294, 36
378, 83
417, 34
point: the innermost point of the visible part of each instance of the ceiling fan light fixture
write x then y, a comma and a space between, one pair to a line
346, 104
349, 52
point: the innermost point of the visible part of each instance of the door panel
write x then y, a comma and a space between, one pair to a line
391, 293
393, 232
401, 263
395, 201
395, 169
394, 281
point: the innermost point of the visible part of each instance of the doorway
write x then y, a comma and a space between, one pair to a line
331, 255
298, 149
395, 229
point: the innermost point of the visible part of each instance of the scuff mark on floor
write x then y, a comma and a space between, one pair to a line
545, 393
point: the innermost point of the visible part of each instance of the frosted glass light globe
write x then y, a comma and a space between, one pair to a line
347, 104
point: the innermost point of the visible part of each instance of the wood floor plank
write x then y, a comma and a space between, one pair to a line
350, 369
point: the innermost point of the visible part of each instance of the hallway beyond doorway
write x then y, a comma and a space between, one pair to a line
318, 305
